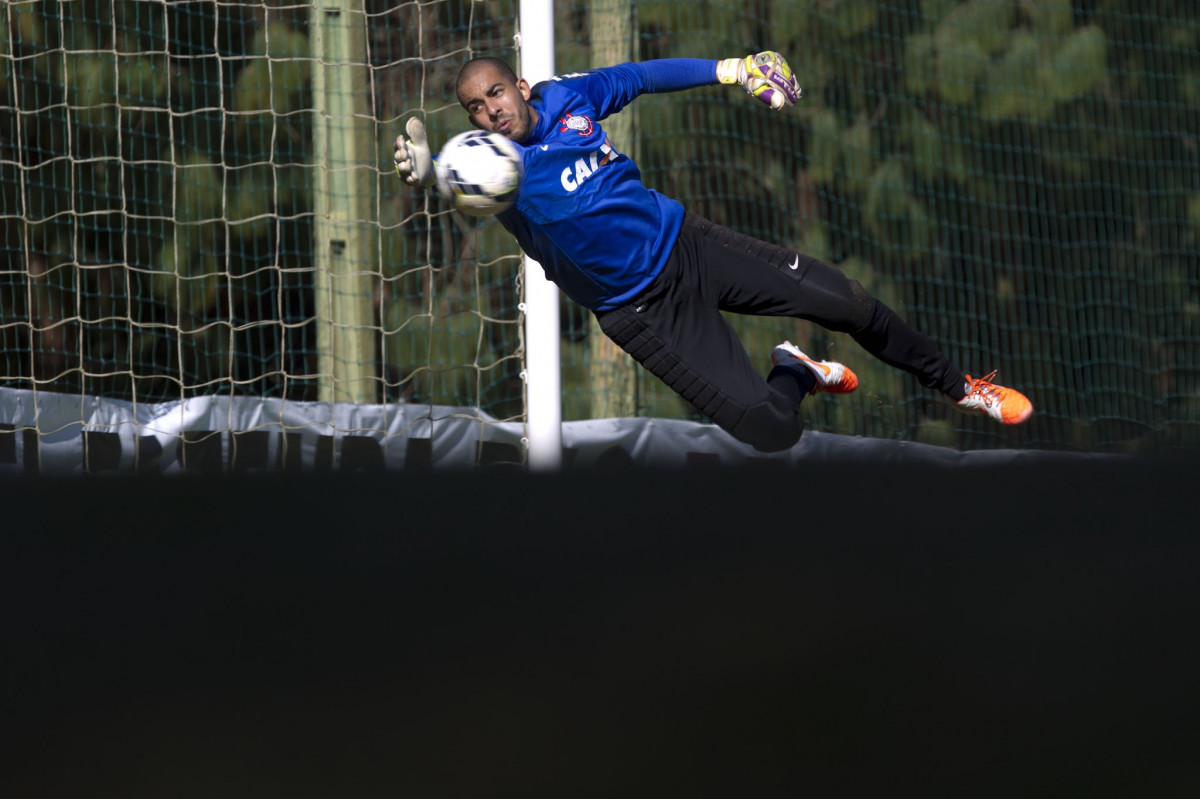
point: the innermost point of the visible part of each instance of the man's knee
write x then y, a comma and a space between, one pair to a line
844, 304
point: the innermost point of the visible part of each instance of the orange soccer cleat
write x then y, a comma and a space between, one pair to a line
832, 377
1005, 405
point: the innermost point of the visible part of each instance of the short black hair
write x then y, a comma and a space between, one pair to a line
474, 64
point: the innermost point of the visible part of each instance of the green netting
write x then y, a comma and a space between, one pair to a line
192, 204
189, 202
1020, 180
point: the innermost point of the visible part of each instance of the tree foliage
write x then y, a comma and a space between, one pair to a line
1020, 179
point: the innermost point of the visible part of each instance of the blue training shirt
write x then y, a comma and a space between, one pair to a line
583, 212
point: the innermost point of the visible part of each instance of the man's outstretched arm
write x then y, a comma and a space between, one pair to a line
766, 76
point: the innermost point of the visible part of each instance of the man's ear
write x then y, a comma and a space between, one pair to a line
523, 86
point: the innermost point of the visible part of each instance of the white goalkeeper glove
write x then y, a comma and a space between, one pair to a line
414, 162
766, 76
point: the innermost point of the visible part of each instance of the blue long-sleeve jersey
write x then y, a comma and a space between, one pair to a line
583, 212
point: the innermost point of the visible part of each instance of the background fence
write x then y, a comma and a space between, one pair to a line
194, 195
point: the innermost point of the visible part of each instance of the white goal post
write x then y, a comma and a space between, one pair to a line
541, 306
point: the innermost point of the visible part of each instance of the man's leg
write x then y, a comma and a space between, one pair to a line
684, 341
750, 276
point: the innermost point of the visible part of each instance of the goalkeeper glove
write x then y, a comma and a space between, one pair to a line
414, 162
766, 76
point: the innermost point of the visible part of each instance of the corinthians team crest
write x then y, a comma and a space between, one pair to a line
581, 124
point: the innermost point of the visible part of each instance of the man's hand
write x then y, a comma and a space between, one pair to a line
766, 76
414, 162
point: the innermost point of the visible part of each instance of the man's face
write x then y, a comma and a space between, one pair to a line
494, 103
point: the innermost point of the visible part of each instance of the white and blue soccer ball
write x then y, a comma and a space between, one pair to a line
480, 171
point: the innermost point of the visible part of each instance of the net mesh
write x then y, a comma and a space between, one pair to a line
196, 198
1018, 180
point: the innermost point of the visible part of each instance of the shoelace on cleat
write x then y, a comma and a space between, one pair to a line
985, 388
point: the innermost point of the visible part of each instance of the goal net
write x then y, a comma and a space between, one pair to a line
208, 261
198, 210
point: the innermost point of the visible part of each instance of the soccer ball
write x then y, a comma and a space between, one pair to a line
480, 171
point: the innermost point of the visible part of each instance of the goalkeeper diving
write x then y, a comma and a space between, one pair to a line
657, 276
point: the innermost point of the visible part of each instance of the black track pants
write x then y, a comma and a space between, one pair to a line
675, 329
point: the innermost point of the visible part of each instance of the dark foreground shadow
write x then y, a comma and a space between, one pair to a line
1018, 630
